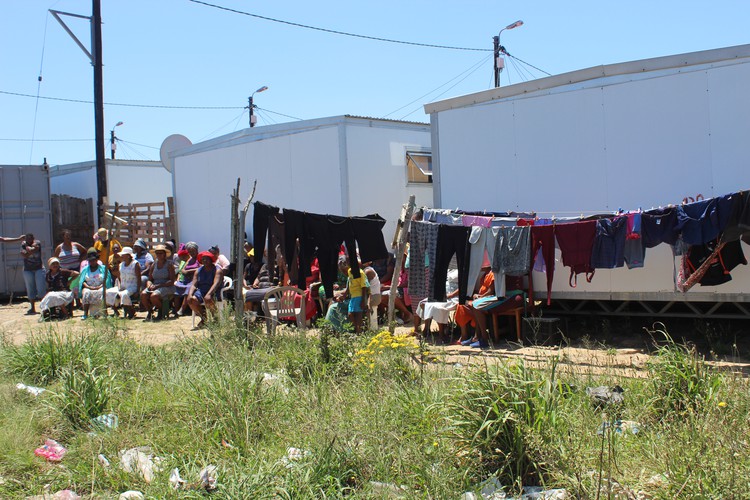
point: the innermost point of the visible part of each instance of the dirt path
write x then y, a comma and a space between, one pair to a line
16, 327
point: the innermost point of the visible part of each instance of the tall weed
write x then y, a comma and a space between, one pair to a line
85, 393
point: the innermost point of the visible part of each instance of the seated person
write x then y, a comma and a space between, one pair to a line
144, 259
186, 273
205, 287
113, 263
58, 293
256, 282
221, 260
401, 301
440, 312
91, 282
160, 284
128, 284
466, 314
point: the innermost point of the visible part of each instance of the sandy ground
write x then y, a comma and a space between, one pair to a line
616, 360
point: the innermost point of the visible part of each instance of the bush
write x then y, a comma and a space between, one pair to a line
85, 394
500, 417
680, 380
44, 357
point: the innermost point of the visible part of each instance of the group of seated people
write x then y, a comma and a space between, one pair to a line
161, 281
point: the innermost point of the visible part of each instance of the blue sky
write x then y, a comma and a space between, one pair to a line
179, 53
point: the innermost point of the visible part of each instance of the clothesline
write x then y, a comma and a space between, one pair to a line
515, 242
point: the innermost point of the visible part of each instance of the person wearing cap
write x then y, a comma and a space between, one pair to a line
104, 244
127, 286
160, 285
33, 270
144, 258
221, 261
58, 293
91, 282
206, 285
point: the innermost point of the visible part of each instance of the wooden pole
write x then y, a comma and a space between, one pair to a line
106, 264
399, 261
239, 299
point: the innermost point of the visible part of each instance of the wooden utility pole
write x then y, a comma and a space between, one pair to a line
399, 260
101, 167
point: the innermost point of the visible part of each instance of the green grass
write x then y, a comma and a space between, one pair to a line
364, 411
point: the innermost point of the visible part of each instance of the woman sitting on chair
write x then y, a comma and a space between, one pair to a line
91, 283
206, 285
58, 293
160, 285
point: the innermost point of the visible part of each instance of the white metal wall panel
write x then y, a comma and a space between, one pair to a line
729, 126
137, 184
657, 140
80, 184
296, 171
377, 172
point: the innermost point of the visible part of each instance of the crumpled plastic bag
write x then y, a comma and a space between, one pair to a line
52, 451
140, 459
131, 495
34, 391
108, 421
60, 495
175, 480
294, 455
208, 478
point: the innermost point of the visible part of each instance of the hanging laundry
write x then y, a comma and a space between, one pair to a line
719, 271
609, 243
261, 213
423, 238
738, 220
576, 241
543, 243
659, 226
451, 240
476, 220
481, 241
513, 251
698, 222
634, 251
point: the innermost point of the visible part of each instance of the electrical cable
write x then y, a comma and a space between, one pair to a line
136, 144
528, 64
448, 89
45, 140
38, 88
277, 113
157, 106
134, 151
482, 61
236, 118
336, 32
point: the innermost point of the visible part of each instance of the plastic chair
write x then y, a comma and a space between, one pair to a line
279, 304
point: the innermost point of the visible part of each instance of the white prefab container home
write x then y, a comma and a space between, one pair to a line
633, 135
128, 181
342, 165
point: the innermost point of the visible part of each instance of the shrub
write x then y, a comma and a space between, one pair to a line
500, 416
680, 380
43, 358
85, 394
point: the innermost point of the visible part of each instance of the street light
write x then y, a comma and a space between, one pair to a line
500, 62
112, 138
251, 106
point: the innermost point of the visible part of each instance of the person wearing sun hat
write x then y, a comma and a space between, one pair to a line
58, 293
206, 284
129, 284
105, 245
160, 285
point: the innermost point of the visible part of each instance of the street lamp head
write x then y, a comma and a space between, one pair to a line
514, 25
262, 89
119, 123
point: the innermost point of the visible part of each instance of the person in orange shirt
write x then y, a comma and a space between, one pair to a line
466, 314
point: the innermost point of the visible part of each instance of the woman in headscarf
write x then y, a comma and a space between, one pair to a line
160, 286
206, 284
91, 282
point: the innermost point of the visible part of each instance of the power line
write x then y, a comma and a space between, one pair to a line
82, 101
44, 140
277, 113
528, 64
38, 89
136, 144
437, 88
336, 32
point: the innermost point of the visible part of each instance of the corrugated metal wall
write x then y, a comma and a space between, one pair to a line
24, 208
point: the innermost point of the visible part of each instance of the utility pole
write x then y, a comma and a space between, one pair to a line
251, 107
496, 58
101, 168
